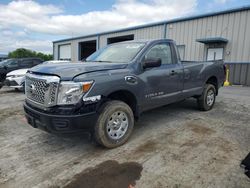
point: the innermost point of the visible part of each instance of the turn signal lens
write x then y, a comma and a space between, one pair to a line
86, 86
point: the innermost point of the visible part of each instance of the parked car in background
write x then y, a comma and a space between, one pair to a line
55, 61
16, 79
114, 86
9, 65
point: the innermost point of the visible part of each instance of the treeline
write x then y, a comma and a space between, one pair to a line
22, 53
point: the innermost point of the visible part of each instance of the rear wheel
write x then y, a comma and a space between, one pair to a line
207, 99
114, 124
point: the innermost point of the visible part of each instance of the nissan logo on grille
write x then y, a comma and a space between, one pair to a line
32, 88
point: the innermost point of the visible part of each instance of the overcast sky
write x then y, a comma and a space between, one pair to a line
35, 24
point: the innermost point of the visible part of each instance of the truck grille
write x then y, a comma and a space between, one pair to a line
42, 90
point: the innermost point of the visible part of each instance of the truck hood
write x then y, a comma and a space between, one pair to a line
67, 71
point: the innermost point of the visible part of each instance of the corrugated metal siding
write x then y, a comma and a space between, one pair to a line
155, 32
239, 73
234, 26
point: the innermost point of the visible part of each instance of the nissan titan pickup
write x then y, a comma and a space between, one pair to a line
109, 91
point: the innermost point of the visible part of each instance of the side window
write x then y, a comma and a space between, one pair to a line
26, 63
181, 49
13, 63
36, 62
162, 51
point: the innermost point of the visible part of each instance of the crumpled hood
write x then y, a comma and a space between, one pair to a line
67, 71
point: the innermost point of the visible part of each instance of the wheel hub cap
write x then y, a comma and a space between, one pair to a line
117, 125
210, 97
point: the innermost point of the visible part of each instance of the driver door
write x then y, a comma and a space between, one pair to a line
163, 85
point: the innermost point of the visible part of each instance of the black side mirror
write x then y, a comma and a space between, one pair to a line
149, 63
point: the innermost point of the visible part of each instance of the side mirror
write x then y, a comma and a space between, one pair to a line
150, 63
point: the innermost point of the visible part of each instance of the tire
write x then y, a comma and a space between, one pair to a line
114, 124
1, 84
207, 99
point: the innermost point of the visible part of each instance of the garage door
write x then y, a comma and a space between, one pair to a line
65, 52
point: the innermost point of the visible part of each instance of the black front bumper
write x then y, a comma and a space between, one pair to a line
58, 123
10, 83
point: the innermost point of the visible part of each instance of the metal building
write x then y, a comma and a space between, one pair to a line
220, 35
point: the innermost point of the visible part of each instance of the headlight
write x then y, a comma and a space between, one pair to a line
71, 92
18, 76
14, 76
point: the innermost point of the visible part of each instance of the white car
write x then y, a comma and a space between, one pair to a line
55, 61
16, 79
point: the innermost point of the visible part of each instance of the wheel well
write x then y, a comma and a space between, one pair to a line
213, 80
127, 97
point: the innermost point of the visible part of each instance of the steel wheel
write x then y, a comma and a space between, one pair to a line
210, 97
117, 125
114, 124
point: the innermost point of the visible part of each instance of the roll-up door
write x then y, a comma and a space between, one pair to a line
65, 52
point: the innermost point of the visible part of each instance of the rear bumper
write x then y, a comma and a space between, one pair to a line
58, 123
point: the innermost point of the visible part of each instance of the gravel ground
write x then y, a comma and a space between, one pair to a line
172, 146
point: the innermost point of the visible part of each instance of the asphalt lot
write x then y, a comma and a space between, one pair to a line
173, 146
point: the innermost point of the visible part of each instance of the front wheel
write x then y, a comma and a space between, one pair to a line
114, 124
207, 99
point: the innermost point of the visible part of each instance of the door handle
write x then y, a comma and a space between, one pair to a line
173, 72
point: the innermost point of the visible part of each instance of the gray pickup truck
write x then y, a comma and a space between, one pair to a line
105, 94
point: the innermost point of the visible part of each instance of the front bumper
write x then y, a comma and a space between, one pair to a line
59, 123
14, 82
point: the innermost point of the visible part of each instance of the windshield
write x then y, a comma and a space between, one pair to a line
5, 62
118, 53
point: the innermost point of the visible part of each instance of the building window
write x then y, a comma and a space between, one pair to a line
214, 54
181, 49
120, 39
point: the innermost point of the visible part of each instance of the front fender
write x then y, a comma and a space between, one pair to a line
107, 82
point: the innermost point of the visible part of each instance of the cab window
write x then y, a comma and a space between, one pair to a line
162, 51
